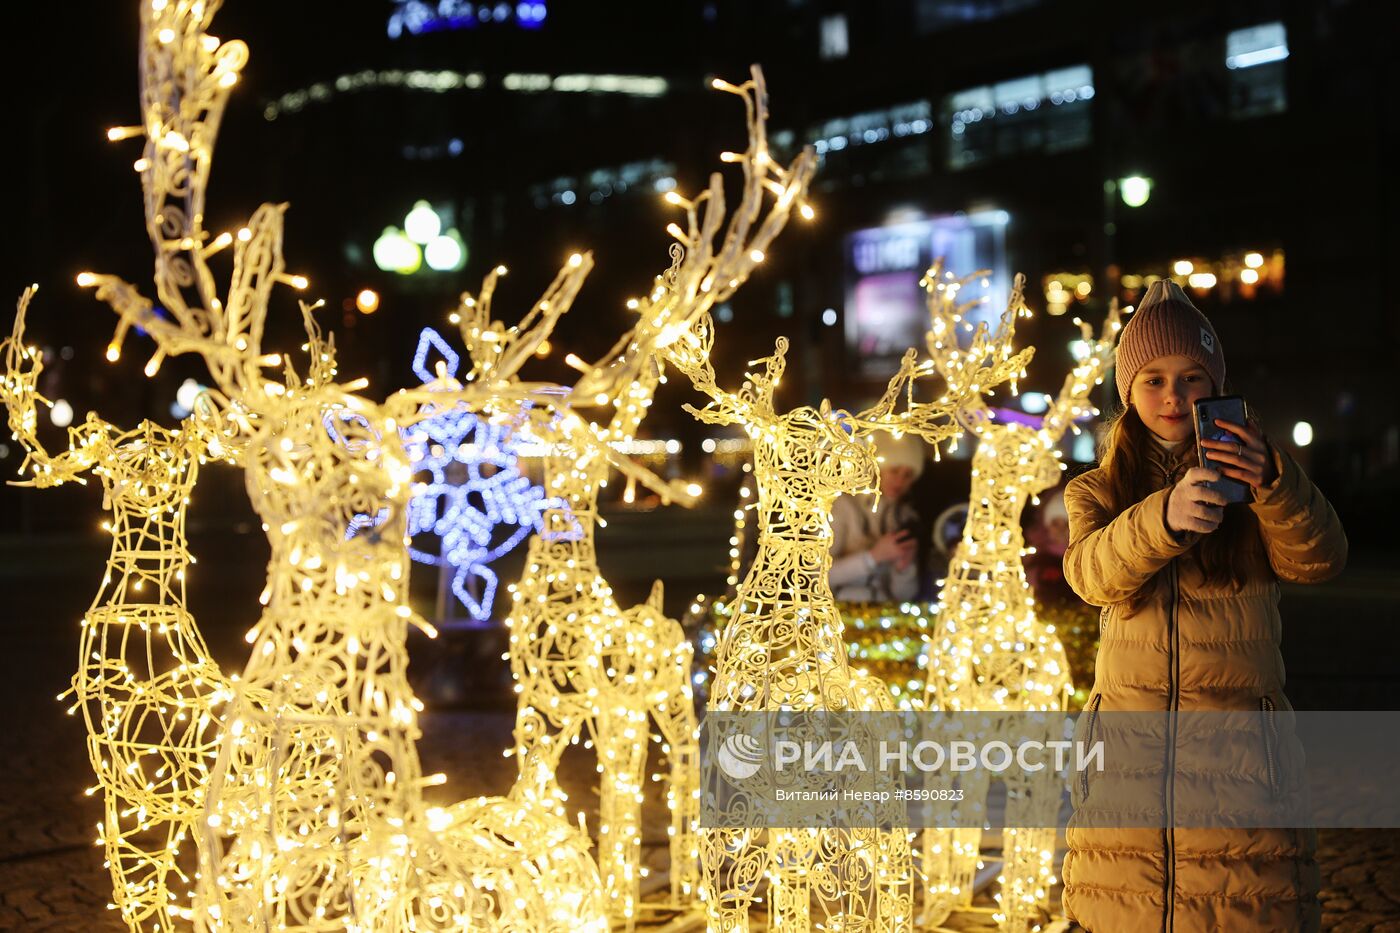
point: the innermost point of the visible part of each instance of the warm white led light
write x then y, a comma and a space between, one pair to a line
782, 646
988, 649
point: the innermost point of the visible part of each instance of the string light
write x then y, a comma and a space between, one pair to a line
989, 651
147, 688
783, 647
583, 666
313, 814
883, 639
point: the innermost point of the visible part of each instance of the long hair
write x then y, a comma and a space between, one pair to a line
1222, 555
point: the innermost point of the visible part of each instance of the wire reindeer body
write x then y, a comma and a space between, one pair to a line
990, 652
148, 690
782, 647
314, 817
355, 840
584, 667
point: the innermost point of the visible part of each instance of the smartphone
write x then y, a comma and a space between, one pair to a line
1226, 408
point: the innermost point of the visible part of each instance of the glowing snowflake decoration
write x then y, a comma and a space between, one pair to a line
468, 487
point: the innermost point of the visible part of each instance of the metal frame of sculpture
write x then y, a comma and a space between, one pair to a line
148, 690
783, 646
989, 651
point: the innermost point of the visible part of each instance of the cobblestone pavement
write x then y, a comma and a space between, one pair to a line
51, 874
1360, 880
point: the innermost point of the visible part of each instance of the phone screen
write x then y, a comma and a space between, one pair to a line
1226, 408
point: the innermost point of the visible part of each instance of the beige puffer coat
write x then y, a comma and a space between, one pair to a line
1193, 646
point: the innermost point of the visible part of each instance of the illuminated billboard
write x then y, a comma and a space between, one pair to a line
885, 312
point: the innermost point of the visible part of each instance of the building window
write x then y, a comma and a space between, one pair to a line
1047, 112
644, 177
938, 15
835, 40
872, 126
875, 145
782, 300
1254, 58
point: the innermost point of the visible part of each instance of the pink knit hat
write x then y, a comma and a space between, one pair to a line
1166, 323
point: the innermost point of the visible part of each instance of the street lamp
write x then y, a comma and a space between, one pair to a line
395, 252
446, 252
1135, 190
421, 240
422, 223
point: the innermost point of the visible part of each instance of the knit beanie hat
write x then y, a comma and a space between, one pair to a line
907, 450
1166, 323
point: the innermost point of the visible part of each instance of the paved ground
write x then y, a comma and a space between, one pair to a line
51, 874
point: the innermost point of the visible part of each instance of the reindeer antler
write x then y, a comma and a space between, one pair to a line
320, 353
702, 272
962, 369
186, 75
1073, 398
669, 491
690, 353
967, 373
20, 394
498, 352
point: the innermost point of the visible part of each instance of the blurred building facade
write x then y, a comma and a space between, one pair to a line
1241, 147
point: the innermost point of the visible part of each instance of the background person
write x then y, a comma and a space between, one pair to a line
1048, 533
875, 554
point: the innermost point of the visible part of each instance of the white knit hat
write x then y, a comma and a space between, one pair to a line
903, 451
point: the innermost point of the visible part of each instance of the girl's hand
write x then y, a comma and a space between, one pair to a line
1247, 460
1193, 507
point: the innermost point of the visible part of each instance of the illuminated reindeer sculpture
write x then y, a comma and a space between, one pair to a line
148, 690
783, 647
314, 813
576, 656
583, 666
989, 651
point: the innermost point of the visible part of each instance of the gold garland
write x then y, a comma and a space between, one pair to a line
887, 640
884, 640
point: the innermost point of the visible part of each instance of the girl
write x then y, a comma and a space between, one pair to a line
1189, 590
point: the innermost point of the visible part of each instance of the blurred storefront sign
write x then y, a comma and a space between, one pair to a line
885, 309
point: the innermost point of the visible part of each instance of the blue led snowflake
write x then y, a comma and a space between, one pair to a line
469, 490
